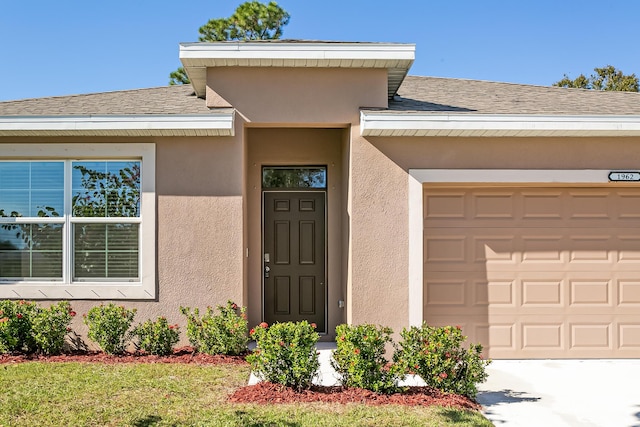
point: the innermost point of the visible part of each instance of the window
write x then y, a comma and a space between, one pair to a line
74, 228
278, 177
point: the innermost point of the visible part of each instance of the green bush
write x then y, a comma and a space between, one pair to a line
28, 328
50, 326
285, 353
108, 326
437, 355
223, 333
157, 337
15, 326
359, 358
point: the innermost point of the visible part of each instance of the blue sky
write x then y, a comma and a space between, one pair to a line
64, 47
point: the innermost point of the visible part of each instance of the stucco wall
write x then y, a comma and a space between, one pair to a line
510, 153
379, 238
199, 193
287, 97
199, 225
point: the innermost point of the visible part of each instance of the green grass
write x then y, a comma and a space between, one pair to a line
95, 394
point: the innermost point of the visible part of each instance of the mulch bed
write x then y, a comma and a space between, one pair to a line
269, 393
265, 392
180, 355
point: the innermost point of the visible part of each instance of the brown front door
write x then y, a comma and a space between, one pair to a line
294, 257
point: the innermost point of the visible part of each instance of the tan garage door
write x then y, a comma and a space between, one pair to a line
536, 272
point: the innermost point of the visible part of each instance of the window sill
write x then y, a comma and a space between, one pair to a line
84, 290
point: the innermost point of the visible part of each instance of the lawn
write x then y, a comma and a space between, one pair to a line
148, 394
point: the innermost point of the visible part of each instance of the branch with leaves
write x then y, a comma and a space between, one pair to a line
252, 20
605, 78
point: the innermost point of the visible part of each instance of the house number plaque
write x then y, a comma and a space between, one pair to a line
617, 176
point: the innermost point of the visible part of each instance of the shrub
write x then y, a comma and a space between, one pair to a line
285, 353
108, 326
223, 333
50, 326
157, 337
15, 326
437, 355
359, 358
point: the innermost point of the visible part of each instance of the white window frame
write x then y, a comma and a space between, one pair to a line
145, 287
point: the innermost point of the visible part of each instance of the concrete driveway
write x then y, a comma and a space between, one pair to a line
556, 393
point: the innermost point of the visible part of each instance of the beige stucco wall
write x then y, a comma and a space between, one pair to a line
199, 226
287, 97
510, 153
379, 238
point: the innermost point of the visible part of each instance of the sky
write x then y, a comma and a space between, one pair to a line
65, 47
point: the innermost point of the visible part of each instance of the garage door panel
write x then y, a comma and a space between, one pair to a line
494, 205
629, 334
467, 291
446, 205
629, 293
542, 205
626, 205
447, 292
536, 272
591, 335
589, 204
546, 335
542, 293
591, 293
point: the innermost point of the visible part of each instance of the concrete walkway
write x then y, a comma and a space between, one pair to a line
557, 393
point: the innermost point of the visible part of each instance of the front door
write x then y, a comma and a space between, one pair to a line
294, 257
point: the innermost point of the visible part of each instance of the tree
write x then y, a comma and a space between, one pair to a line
252, 20
606, 78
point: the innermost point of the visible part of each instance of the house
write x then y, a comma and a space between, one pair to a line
318, 181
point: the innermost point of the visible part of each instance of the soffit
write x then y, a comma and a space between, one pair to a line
197, 57
381, 123
212, 124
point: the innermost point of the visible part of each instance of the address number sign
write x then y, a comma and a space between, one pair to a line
624, 176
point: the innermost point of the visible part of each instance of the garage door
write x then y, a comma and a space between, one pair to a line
536, 272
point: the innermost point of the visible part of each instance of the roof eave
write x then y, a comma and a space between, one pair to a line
395, 57
214, 124
495, 125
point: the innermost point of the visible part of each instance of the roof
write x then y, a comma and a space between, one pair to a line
178, 99
424, 106
434, 106
437, 95
160, 111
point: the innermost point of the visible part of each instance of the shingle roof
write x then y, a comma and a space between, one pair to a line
159, 100
420, 94
452, 96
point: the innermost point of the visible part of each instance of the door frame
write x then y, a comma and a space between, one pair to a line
326, 246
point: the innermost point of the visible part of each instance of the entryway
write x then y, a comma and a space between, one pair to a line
296, 208
294, 245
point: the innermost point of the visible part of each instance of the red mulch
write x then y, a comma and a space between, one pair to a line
264, 392
269, 393
180, 355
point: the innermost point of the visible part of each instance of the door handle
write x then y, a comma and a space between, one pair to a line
266, 271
